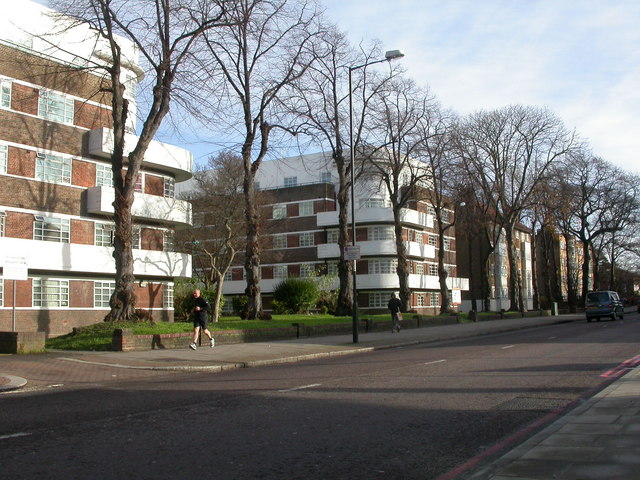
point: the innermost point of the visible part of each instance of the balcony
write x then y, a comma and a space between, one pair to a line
377, 215
160, 156
90, 259
378, 248
147, 207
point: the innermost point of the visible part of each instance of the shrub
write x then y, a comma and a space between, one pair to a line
296, 295
239, 304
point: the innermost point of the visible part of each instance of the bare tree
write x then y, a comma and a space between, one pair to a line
321, 100
597, 202
508, 153
164, 33
218, 235
270, 46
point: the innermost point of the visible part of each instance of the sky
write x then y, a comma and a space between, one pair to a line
578, 58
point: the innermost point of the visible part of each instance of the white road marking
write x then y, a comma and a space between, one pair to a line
14, 435
435, 361
508, 346
302, 387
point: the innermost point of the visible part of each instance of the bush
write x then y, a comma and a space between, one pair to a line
239, 305
296, 295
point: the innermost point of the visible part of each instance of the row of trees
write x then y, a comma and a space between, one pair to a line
269, 74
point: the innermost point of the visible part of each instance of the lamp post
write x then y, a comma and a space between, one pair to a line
388, 56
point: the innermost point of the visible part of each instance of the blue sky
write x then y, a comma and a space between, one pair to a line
579, 58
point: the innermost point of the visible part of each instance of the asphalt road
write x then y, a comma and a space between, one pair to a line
415, 412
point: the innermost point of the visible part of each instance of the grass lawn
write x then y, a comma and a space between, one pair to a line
98, 336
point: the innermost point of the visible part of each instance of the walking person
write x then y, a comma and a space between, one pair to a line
200, 318
394, 306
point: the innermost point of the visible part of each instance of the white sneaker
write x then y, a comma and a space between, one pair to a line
212, 343
192, 346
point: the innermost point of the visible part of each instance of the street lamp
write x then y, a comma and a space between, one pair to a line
388, 56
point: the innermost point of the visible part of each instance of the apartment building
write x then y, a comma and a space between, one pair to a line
492, 276
301, 237
56, 183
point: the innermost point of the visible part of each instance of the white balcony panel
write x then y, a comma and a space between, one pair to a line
423, 250
149, 207
328, 250
432, 282
377, 281
376, 215
159, 155
71, 257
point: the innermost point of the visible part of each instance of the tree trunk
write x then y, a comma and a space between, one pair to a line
445, 305
345, 293
252, 253
403, 265
515, 279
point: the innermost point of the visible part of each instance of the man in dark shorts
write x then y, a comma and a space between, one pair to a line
200, 318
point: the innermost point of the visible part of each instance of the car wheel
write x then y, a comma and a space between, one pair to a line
589, 320
613, 316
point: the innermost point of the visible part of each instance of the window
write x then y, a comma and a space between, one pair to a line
307, 270
167, 241
4, 158
332, 236
445, 214
419, 269
380, 233
227, 276
374, 203
169, 188
280, 271
420, 300
279, 211
383, 266
332, 268
3, 223
433, 269
306, 209
167, 295
306, 239
55, 107
102, 293
50, 293
431, 210
378, 300
433, 240
447, 244
419, 238
290, 181
104, 176
325, 177
5, 93
52, 168
51, 229
434, 300
104, 234
139, 186
136, 237
256, 185
279, 241
1, 292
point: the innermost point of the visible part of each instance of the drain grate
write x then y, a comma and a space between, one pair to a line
532, 403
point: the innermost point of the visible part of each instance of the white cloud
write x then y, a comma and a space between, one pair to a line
580, 58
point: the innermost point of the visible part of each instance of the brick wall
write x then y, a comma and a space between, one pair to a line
82, 232
151, 239
91, 116
21, 162
83, 174
154, 185
80, 294
24, 99
19, 225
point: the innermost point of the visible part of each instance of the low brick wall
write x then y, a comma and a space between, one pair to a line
124, 340
22, 342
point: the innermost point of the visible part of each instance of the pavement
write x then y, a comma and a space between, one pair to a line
597, 440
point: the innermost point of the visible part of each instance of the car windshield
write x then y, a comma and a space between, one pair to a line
598, 297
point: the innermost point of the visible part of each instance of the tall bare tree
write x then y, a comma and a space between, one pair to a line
321, 99
270, 46
508, 152
164, 33
219, 232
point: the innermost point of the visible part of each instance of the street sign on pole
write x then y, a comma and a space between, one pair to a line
352, 252
15, 267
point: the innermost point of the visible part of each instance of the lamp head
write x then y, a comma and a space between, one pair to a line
393, 54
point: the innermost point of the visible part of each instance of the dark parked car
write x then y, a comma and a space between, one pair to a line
603, 304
